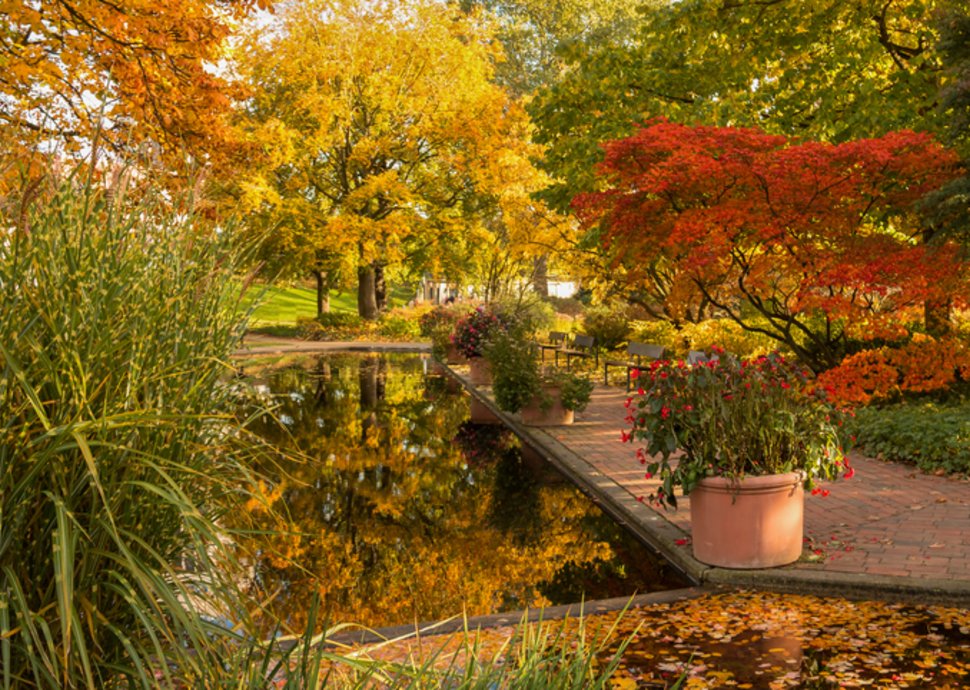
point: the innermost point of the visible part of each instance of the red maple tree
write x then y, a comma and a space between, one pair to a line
813, 244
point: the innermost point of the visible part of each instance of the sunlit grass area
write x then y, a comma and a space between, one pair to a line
282, 305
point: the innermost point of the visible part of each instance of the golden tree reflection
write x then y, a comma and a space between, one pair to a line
393, 510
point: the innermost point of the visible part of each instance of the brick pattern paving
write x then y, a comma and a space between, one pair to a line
888, 520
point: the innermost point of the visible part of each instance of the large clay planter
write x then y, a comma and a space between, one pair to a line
480, 371
757, 523
556, 415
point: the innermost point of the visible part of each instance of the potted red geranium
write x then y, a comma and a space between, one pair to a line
742, 439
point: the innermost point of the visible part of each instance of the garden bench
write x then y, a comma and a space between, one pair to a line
635, 352
696, 357
583, 346
557, 341
700, 357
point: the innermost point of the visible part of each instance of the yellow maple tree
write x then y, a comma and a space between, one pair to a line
380, 138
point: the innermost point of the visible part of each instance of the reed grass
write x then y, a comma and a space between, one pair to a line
118, 445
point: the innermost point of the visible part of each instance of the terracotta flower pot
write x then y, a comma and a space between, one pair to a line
534, 415
480, 371
758, 523
453, 355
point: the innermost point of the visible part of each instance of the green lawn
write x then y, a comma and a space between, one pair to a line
281, 306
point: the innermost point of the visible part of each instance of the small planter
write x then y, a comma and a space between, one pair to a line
533, 414
758, 523
480, 371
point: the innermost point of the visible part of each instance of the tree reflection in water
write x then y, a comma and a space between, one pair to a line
395, 509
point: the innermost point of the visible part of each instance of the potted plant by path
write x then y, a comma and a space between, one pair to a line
749, 436
471, 335
439, 325
544, 397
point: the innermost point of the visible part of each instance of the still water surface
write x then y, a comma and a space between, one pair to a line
402, 510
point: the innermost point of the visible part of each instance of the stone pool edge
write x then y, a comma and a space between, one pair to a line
513, 618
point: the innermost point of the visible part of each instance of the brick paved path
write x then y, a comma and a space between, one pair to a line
888, 520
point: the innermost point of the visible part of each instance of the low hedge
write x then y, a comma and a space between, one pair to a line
933, 436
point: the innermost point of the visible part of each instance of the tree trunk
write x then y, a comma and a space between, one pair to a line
366, 297
540, 275
323, 294
936, 313
380, 288
936, 317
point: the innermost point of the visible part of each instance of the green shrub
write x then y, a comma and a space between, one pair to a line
119, 447
566, 305
659, 333
729, 335
339, 319
702, 336
336, 326
610, 327
398, 327
441, 316
525, 315
930, 435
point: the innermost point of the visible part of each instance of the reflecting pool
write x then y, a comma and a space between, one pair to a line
395, 508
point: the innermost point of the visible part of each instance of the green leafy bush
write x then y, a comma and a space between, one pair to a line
399, 327
339, 319
526, 314
517, 377
336, 326
441, 316
930, 435
660, 333
610, 327
703, 336
566, 305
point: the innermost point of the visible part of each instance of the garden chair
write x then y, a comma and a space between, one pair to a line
557, 341
583, 346
635, 353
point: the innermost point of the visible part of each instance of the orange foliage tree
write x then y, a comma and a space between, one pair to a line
922, 365
812, 244
132, 71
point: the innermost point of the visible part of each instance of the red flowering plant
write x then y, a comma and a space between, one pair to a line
472, 333
733, 418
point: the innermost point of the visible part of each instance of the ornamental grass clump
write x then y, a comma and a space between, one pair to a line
733, 419
119, 446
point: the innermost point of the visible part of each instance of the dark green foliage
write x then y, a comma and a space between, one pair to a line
398, 327
515, 372
575, 390
933, 436
611, 327
517, 377
337, 325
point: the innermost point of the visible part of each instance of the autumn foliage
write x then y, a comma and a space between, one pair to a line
131, 71
923, 365
811, 243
